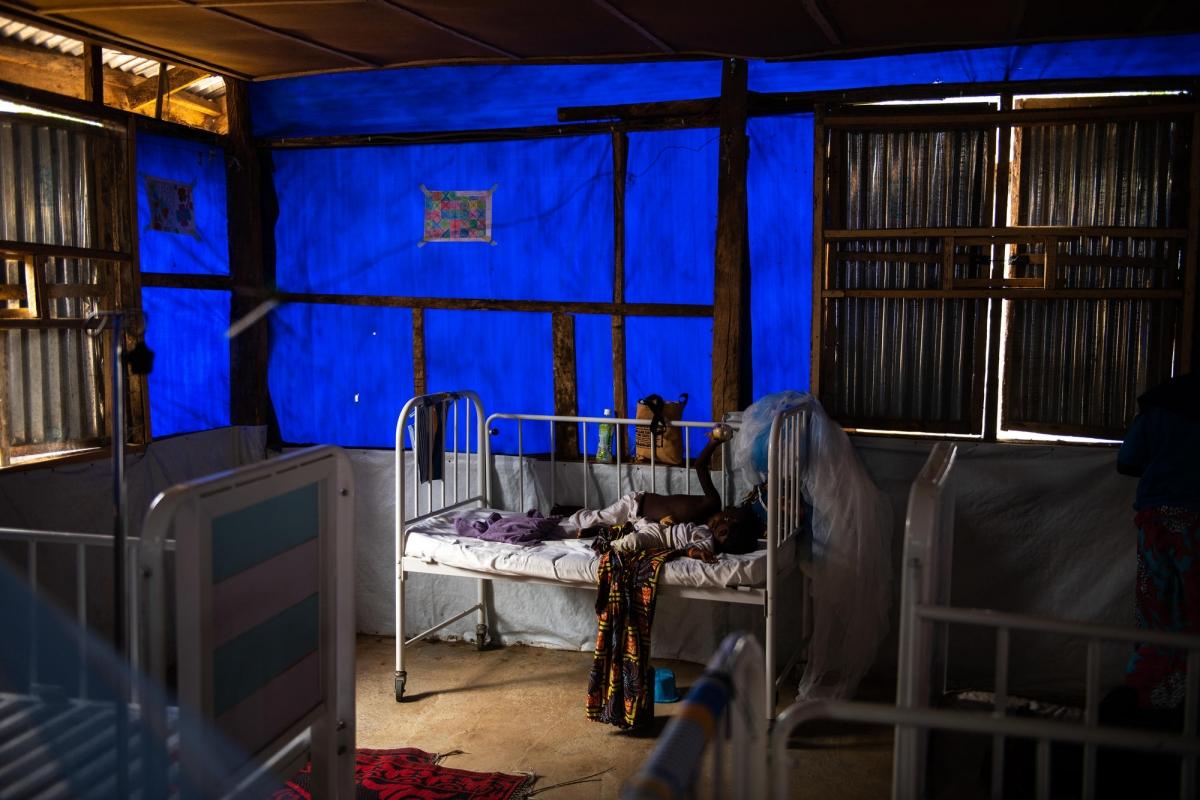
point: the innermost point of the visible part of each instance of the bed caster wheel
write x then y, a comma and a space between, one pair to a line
481, 632
401, 677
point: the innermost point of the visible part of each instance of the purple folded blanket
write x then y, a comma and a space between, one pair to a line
527, 529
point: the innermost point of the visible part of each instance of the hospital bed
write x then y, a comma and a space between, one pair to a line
925, 614
262, 591
451, 434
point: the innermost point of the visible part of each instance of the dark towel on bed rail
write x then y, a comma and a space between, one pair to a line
429, 441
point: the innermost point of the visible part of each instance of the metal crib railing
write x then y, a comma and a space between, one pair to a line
721, 727
37, 541
619, 467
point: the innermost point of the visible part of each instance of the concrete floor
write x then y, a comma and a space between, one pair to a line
520, 709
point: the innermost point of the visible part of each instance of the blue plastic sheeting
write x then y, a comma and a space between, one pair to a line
671, 216
340, 374
778, 193
189, 387
505, 356
351, 219
465, 98
670, 356
593, 371
203, 168
1147, 56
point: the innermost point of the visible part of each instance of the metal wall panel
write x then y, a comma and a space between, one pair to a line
897, 362
1079, 365
54, 375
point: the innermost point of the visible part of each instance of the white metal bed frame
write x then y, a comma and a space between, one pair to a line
179, 515
785, 513
924, 604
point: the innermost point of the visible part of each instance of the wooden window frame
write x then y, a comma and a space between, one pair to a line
996, 288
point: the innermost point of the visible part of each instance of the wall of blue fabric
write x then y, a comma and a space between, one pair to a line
350, 220
778, 197
189, 387
671, 216
203, 168
340, 374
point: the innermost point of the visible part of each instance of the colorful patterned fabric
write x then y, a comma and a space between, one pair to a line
1167, 599
458, 216
171, 207
411, 773
621, 683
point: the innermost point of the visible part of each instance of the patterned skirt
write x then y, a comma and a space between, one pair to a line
1167, 599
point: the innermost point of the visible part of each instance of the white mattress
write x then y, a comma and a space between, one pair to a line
571, 560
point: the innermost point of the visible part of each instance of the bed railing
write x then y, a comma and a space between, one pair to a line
78, 545
1043, 731
620, 462
715, 744
439, 428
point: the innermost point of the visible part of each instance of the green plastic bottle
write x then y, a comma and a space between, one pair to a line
604, 448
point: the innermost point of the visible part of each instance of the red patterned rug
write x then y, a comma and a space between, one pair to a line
411, 773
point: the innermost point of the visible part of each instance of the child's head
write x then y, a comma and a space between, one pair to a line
736, 530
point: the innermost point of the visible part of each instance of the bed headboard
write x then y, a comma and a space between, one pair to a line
446, 435
265, 607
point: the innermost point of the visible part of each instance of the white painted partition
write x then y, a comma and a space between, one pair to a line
265, 615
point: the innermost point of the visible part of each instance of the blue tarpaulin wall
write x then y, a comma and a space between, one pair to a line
350, 222
189, 387
340, 374
203, 168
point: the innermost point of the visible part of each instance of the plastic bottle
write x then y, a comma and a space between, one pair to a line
604, 448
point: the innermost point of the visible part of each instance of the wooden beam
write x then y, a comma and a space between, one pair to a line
708, 108
161, 89
145, 91
635, 26
72, 105
64, 251
987, 379
87, 33
123, 217
731, 320
821, 18
620, 147
172, 280
566, 402
280, 33
817, 359
173, 4
93, 74
249, 402
488, 304
444, 28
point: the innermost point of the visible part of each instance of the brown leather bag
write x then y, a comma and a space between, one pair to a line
667, 439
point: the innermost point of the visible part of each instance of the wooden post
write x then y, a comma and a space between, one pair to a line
93, 74
620, 141
248, 353
731, 274
129, 291
162, 90
1190, 337
566, 438
420, 374
817, 360
1005, 183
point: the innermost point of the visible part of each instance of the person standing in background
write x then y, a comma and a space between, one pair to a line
1162, 449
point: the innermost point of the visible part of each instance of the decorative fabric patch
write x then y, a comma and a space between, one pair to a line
172, 209
457, 216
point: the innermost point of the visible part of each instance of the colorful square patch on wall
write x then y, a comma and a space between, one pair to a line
457, 215
172, 209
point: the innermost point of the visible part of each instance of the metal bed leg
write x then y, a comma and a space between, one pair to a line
401, 675
769, 657
481, 626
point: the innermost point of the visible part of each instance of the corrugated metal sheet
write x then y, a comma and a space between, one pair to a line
900, 362
210, 87
1082, 363
46, 194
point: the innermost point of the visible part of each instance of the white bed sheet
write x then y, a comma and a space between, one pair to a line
571, 560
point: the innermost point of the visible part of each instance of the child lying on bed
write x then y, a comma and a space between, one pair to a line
676, 521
